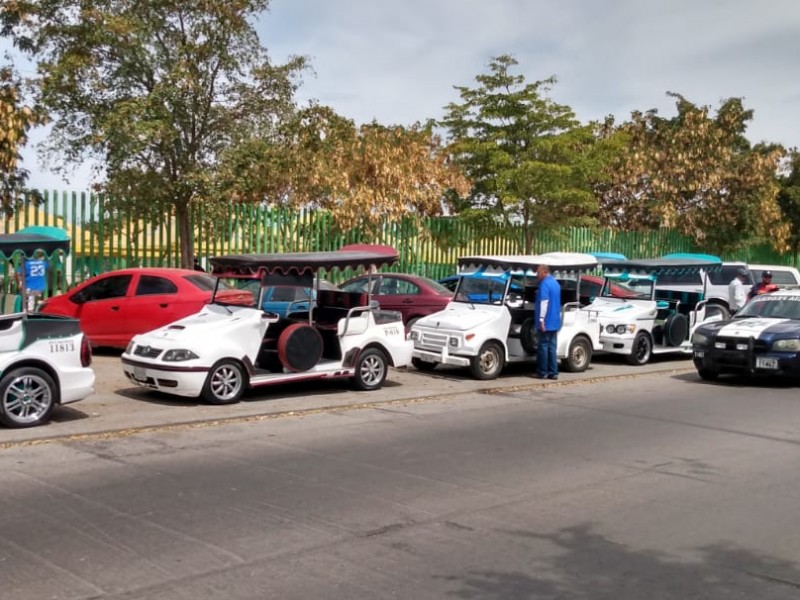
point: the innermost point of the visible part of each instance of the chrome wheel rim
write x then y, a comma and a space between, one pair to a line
226, 382
372, 370
579, 355
27, 399
489, 360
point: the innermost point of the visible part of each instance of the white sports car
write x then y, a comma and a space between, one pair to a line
44, 361
222, 350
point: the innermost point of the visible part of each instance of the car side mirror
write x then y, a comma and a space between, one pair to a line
79, 297
374, 304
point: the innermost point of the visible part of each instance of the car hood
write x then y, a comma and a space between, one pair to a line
755, 327
613, 309
204, 325
457, 319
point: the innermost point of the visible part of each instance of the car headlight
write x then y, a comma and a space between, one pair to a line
621, 329
414, 334
610, 328
700, 339
179, 355
454, 342
786, 346
129, 349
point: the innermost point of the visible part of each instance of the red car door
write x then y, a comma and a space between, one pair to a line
395, 293
102, 310
155, 302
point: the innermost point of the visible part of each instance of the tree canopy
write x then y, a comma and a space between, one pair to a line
697, 173
155, 90
789, 199
16, 119
362, 175
529, 157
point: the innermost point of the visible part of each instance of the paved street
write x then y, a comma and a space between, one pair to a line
652, 486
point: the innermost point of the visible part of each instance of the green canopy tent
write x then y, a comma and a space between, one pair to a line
28, 244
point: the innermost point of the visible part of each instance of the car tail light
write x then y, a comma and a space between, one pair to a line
86, 352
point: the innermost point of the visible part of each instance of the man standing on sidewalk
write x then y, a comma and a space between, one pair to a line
547, 315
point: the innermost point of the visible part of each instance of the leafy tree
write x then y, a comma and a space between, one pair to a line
530, 159
16, 119
154, 89
697, 173
363, 176
789, 200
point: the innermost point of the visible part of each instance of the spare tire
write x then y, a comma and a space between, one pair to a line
527, 336
676, 329
299, 347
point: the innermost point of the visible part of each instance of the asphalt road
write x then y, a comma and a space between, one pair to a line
656, 486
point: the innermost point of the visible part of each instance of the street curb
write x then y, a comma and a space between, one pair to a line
204, 423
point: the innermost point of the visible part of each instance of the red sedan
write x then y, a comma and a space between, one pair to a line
413, 296
115, 306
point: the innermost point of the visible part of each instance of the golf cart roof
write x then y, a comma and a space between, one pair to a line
668, 265
256, 265
30, 240
557, 261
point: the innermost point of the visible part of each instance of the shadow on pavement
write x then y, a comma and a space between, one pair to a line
586, 565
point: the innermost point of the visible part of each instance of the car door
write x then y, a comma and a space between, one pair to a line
156, 302
103, 310
396, 293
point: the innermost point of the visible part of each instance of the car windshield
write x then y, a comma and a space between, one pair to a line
776, 307
631, 288
480, 290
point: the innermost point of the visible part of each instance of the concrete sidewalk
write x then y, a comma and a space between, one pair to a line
117, 408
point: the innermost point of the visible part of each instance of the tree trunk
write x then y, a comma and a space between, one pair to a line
185, 234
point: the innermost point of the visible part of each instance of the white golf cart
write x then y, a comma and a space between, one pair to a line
490, 322
220, 351
651, 319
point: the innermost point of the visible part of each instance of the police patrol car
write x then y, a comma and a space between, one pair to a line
763, 338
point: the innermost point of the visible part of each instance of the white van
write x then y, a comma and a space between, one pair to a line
782, 276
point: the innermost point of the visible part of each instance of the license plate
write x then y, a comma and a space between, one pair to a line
699, 354
139, 373
766, 362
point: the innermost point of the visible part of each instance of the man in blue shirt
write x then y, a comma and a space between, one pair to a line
547, 315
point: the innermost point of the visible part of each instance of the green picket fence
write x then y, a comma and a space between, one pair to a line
103, 240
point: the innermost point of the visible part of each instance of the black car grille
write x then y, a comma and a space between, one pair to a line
147, 351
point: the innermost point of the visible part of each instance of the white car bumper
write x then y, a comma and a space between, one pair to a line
76, 383
617, 344
442, 357
181, 381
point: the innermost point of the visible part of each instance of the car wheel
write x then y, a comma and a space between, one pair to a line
642, 349
423, 365
579, 355
705, 374
225, 383
27, 397
371, 369
488, 363
527, 336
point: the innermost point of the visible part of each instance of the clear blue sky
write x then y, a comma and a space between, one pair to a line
397, 62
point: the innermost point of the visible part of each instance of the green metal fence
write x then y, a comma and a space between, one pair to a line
103, 240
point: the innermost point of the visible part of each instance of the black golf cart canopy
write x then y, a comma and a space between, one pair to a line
256, 266
668, 265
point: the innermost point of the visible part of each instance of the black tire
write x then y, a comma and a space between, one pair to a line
372, 367
27, 397
225, 383
423, 365
488, 363
527, 336
642, 349
579, 355
676, 330
705, 374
